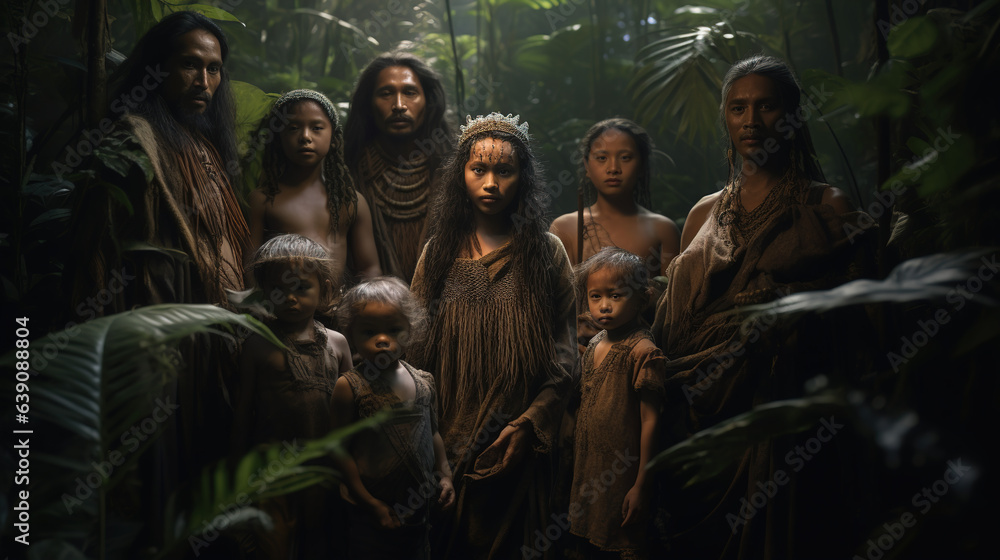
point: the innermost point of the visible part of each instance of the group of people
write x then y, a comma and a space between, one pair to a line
405, 267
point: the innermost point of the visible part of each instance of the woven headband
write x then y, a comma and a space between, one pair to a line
300, 94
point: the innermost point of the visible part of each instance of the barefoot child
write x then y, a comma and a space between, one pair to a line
305, 187
406, 457
622, 388
616, 162
501, 341
283, 395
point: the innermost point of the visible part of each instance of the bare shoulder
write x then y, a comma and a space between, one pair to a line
661, 224
564, 225
697, 216
336, 341
837, 199
258, 197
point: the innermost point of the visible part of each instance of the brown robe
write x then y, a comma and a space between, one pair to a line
715, 374
608, 430
182, 243
496, 362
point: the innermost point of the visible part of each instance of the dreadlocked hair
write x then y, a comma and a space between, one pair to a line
336, 177
643, 145
452, 223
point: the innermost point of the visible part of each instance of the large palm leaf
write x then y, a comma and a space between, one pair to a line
89, 385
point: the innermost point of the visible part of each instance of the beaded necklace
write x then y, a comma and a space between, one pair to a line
743, 224
400, 192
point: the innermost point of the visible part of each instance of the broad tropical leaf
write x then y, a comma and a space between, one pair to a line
713, 451
223, 496
931, 278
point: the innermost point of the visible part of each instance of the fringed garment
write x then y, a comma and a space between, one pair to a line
398, 197
790, 243
608, 430
499, 359
396, 466
183, 242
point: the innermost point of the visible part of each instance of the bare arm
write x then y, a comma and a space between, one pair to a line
344, 413
696, 218
338, 343
362, 240
670, 241
564, 227
258, 201
447, 496
635, 507
838, 199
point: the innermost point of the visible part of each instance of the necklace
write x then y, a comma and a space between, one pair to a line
743, 224
400, 192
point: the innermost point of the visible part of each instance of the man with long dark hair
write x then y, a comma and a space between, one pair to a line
171, 154
395, 138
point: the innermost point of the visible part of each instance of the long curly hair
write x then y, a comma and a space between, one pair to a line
452, 222
360, 130
806, 163
336, 176
643, 144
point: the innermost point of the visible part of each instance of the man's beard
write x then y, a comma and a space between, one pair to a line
195, 122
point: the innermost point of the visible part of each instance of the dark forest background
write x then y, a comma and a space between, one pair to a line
899, 100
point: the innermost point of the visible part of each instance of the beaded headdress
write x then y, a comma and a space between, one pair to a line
300, 94
494, 122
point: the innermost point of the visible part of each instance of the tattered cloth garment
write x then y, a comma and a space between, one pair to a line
608, 429
792, 243
499, 359
396, 466
291, 407
398, 197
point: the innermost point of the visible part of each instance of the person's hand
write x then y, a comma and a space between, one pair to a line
634, 506
446, 499
512, 444
387, 519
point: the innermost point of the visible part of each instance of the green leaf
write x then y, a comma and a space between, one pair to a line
912, 38
713, 452
207, 11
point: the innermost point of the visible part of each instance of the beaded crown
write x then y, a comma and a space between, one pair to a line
300, 94
494, 122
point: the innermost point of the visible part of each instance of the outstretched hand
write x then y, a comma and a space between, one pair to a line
512, 444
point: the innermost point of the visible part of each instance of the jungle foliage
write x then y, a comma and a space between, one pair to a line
898, 105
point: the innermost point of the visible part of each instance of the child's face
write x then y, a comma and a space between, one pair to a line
307, 136
612, 302
295, 292
379, 333
613, 163
491, 176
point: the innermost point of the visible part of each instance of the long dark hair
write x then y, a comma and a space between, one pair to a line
790, 92
336, 177
643, 144
452, 223
150, 55
360, 130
